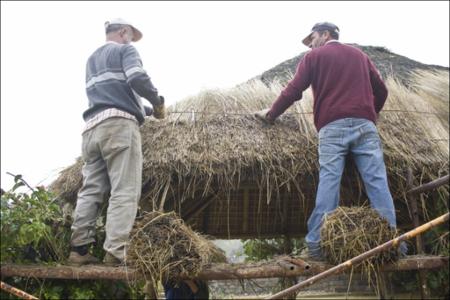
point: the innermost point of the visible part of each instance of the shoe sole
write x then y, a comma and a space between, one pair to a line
118, 264
76, 264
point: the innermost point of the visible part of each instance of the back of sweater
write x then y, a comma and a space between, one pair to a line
115, 79
344, 81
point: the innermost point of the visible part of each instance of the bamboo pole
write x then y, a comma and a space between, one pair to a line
16, 291
351, 262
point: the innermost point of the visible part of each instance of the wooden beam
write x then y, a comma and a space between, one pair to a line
412, 202
197, 208
205, 221
273, 268
245, 210
268, 235
417, 262
429, 186
285, 221
68, 272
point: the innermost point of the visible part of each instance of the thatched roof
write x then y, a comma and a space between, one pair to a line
231, 176
387, 62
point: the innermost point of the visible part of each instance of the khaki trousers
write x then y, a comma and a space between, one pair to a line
113, 165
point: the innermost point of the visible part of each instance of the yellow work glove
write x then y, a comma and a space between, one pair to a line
262, 115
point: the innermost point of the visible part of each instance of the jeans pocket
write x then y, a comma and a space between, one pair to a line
369, 137
327, 147
117, 137
331, 136
86, 145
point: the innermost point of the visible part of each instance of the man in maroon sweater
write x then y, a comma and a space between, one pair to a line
348, 95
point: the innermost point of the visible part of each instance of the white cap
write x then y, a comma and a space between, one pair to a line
137, 35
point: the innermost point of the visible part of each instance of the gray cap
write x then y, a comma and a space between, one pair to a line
137, 35
320, 27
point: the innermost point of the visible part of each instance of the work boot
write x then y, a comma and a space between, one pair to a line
76, 259
79, 255
307, 255
112, 261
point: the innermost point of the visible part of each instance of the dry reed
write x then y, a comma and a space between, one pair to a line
211, 143
350, 231
162, 247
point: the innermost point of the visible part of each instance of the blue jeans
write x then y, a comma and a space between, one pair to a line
337, 139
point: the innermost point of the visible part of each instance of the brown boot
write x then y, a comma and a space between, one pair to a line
112, 261
76, 259
307, 255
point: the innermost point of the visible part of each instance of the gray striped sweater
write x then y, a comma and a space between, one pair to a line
115, 79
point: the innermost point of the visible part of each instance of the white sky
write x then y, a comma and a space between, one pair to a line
187, 47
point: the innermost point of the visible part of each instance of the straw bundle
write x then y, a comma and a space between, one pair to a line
350, 231
162, 247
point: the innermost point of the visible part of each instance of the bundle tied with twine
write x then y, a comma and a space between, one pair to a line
350, 231
162, 247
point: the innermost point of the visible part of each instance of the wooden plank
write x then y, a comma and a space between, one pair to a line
224, 271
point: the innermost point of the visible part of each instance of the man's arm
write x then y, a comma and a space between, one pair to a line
379, 89
137, 77
294, 90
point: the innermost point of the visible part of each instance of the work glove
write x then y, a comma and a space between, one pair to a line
159, 111
148, 111
262, 115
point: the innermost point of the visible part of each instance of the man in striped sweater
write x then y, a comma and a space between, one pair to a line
111, 143
348, 95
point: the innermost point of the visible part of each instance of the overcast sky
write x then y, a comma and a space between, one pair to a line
187, 47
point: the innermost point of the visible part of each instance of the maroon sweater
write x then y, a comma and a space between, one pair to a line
344, 81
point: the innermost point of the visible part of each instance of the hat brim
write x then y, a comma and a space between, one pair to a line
307, 40
137, 35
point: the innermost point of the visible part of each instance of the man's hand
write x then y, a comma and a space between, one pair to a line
262, 115
159, 110
192, 286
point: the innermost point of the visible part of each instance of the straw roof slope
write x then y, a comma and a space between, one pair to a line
387, 62
230, 176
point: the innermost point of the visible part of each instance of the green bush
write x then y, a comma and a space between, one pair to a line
31, 226
33, 230
261, 249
